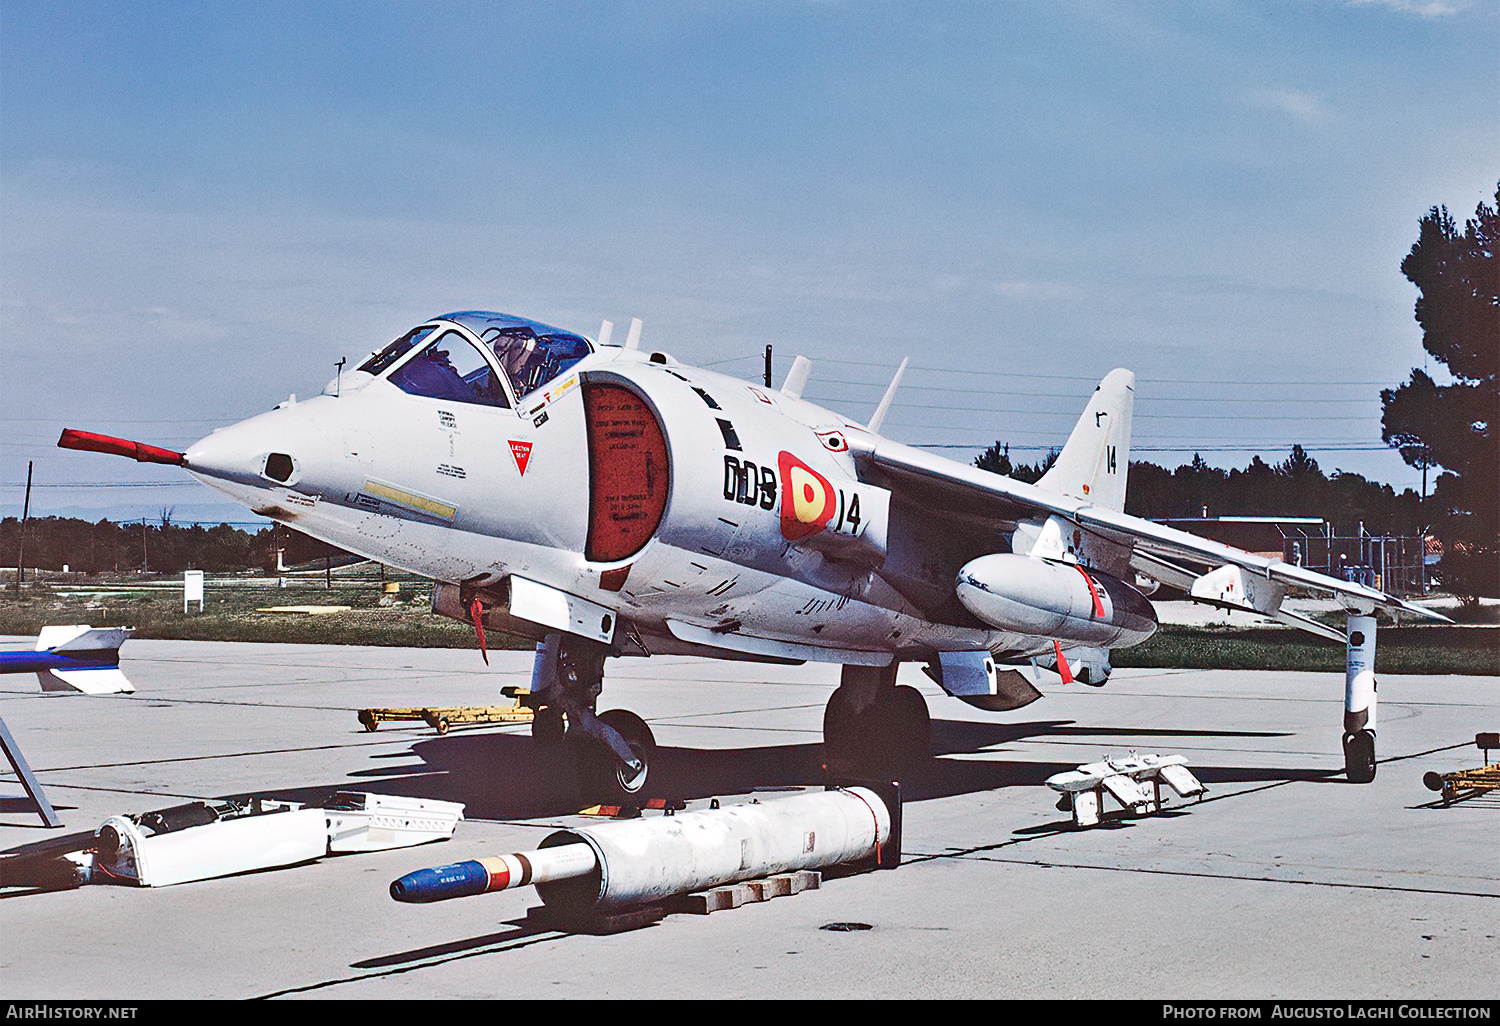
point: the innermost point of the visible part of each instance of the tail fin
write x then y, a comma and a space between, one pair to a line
89, 659
1096, 459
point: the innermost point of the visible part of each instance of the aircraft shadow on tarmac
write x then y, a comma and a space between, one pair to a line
511, 776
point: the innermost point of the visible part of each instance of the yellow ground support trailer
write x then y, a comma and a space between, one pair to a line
1468, 783
440, 718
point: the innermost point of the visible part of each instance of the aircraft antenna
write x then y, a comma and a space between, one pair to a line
890, 393
796, 378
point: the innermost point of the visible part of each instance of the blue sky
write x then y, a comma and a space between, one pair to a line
203, 206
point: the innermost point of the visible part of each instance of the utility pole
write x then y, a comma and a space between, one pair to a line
21, 534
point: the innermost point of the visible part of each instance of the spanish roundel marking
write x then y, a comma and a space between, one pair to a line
522, 453
808, 501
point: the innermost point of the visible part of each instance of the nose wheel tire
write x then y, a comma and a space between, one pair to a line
615, 782
548, 726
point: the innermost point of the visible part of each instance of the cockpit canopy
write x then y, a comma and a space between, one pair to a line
446, 364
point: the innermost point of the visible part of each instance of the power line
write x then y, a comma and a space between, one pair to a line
905, 387
117, 484
1248, 447
969, 371
1071, 415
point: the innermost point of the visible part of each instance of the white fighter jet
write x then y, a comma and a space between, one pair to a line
606, 501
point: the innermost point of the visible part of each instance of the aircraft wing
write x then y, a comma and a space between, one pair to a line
1208, 571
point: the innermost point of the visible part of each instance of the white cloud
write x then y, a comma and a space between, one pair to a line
1034, 289
1421, 8
1298, 105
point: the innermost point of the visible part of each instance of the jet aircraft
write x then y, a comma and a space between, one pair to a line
607, 501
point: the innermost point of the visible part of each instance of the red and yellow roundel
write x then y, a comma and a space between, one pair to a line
808, 501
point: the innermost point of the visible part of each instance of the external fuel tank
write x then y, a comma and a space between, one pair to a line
1055, 599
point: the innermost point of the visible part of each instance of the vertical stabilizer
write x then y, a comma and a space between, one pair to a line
1094, 462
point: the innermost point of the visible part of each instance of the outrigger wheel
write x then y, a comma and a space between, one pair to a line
1359, 757
1361, 695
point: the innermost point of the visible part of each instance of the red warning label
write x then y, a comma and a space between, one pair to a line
522, 453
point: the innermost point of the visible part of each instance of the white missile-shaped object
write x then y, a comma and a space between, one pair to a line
74, 658
633, 862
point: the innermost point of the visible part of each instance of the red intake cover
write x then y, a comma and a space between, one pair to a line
629, 472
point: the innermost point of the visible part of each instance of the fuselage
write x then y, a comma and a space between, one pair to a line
705, 512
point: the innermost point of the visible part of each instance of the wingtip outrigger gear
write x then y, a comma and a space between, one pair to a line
1360, 693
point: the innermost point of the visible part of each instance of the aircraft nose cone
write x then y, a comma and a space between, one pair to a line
274, 449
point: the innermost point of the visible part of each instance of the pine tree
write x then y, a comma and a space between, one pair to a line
1453, 426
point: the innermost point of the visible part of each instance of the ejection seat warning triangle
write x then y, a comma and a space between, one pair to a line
522, 453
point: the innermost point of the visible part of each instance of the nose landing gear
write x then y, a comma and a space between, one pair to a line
616, 747
623, 780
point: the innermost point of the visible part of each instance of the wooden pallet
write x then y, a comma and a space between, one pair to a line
700, 903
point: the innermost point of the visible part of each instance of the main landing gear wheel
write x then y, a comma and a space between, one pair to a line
615, 782
841, 726
894, 736
911, 728
1359, 757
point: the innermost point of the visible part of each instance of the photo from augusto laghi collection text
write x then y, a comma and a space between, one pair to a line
1261, 1010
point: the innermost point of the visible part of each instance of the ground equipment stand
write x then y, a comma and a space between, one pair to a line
28, 779
1469, 783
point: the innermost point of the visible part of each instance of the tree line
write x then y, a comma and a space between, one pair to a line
50, 543
1295, 487
1451, 427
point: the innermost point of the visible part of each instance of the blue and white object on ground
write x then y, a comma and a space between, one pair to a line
639, 861
74, 658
